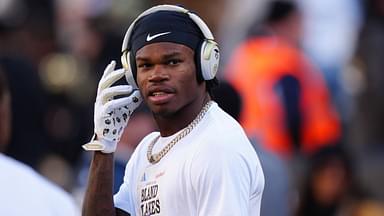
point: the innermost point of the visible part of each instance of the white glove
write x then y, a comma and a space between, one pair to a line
112, 114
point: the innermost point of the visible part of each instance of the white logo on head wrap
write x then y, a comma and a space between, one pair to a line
149, 37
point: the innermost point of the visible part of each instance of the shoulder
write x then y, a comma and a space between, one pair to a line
221, 137
221, 130
224, 147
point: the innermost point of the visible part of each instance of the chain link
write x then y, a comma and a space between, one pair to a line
155, 158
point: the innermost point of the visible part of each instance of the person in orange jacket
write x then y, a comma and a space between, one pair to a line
287, 105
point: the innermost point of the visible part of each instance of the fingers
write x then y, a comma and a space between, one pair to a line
109, 93
130, 79
110, 67
107, 80
132, 102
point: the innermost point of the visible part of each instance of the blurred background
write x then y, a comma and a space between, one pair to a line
314, 109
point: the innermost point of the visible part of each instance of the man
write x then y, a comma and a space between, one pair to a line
200, 162
23, 191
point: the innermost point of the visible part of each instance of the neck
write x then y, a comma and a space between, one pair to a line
169, 125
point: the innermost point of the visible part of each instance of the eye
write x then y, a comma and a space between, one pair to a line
173, 61
144, 65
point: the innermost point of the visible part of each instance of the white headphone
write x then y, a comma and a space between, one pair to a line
209, 50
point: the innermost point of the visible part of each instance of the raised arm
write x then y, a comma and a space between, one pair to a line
113, 107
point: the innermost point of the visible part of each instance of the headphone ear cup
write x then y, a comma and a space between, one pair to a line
125, 60
209, 59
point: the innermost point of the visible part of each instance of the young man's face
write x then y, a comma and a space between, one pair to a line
166, 76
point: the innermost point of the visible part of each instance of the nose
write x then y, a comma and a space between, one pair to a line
158, 74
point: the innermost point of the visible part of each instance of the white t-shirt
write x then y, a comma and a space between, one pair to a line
24, 192
214, 170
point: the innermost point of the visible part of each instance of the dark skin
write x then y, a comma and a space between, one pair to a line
167, 80
166, 77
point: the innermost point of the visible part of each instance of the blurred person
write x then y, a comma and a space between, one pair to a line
201, 162
5, 110
369, 60
88, 35
330, 186
51, 124
233, 28
24, 191
28, 27
28, 139
287, 108
228, 98
368, 207
330, 33
55, 168
365, 132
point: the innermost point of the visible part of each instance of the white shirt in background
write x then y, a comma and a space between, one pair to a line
25, 192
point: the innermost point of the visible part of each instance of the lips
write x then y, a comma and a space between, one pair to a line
160, 95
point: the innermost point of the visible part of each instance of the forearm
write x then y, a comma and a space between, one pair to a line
98, 198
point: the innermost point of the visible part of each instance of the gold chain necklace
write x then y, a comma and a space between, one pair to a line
154, 158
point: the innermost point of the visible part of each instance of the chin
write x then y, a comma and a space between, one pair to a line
164, 110
163, 113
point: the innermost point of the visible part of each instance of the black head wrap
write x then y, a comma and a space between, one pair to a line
165, 26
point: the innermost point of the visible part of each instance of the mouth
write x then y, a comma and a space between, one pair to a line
156, 94
160, 96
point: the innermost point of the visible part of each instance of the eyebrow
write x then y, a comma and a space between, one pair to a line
164, 57
171, 55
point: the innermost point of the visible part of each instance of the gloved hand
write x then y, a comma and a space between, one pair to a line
112, 114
